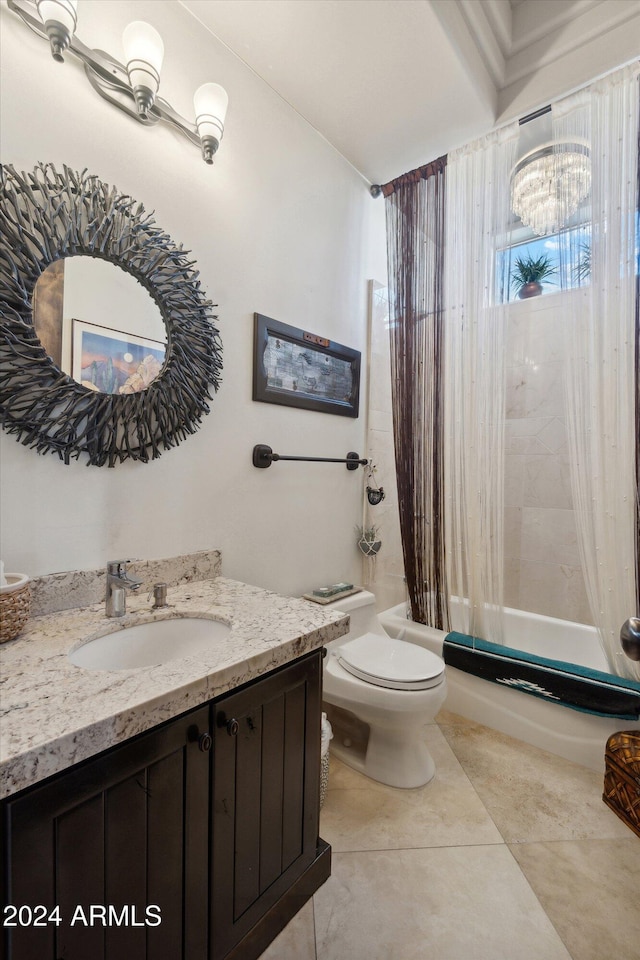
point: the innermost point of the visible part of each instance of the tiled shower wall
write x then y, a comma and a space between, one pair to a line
542, 567
385, 575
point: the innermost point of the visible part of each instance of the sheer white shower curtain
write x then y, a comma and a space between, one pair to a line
599, 320
477, 222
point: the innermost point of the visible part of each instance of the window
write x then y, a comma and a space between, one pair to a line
572, 269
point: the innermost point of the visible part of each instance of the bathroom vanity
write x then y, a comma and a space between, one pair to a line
164, 832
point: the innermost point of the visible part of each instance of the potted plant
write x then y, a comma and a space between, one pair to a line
369, 540
583, 266
528, 274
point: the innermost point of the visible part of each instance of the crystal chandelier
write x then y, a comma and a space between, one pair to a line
549, 184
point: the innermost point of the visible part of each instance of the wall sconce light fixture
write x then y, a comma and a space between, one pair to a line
132, 86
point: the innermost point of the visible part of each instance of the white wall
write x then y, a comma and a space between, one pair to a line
384, 575
282, 225
98, 292
101, 293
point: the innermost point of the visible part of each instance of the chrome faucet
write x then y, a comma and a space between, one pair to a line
118, 582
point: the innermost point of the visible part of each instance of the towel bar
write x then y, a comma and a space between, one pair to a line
263, 456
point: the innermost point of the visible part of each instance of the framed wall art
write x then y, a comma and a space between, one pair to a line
109, 361
300, 369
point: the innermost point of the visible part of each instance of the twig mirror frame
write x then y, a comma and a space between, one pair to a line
46, 216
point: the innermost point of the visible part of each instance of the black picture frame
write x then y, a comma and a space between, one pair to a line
342, 366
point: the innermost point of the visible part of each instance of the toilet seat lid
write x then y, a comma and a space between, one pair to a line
386, 662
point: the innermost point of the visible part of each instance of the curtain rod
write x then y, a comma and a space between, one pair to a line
413, 176
376, 189
536, 113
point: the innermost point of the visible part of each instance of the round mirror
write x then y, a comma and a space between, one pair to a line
99, 325
62, 220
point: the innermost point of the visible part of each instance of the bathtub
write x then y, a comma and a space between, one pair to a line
576, 736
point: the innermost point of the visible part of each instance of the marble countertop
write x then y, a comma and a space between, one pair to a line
54, 714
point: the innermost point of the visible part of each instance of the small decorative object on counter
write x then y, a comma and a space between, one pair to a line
333, 590
622, 777
330, 594
15, 598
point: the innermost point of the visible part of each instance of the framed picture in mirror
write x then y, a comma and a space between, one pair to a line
109, 361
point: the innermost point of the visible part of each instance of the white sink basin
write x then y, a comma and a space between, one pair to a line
149, 644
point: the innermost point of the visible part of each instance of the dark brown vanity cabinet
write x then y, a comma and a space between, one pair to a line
195, 841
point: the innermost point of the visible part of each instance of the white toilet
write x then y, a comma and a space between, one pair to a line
390, 685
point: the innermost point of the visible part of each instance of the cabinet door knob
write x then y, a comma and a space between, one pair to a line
205, 742
232, 728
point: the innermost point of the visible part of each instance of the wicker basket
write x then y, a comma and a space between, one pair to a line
622, 777
15, 599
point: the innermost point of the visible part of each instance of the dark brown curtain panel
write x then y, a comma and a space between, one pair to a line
414, 206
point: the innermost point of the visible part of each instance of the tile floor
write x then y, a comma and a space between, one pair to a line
508, 854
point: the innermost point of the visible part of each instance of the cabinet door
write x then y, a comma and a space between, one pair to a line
128, 830
266, 796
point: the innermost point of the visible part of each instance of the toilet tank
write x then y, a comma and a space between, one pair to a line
362, 611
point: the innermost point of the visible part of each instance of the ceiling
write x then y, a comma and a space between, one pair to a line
392, 84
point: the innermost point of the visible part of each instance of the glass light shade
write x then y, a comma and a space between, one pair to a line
59, 18
144, 52
64, 12
210, 102
549, 184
